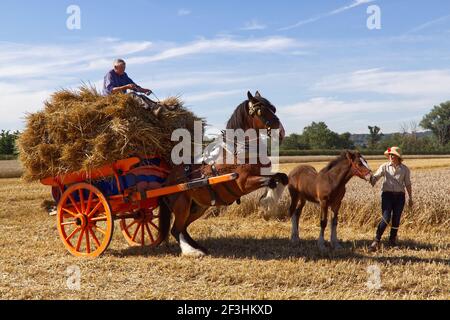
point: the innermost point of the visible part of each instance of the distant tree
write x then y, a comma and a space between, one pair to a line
345, 142
319, 136
375, 136
8, 142
438, 121
294, 142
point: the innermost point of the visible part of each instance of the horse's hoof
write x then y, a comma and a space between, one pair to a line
295, 240
193, 253
336, 246
322, 247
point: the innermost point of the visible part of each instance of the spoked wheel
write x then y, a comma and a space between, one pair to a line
143, 230
85, 223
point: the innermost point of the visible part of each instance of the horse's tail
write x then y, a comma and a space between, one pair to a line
165, 218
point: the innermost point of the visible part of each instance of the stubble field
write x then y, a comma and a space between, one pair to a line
251, 256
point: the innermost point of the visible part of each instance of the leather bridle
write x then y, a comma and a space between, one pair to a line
255, 110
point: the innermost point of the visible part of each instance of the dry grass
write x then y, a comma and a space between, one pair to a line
374, 162
250, 258
306, 159
10, 169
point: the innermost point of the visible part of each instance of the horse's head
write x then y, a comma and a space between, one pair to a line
262, 114
360, 167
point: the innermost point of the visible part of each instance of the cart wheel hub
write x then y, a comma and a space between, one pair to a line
81, 221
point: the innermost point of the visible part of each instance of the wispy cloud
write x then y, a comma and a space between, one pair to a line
183, 12
354, 115
253, 25
211, 95
222, 45
429, 24
26, 61
430, 83
355, 3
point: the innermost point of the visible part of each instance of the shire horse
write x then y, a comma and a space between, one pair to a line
327, 188
255, 113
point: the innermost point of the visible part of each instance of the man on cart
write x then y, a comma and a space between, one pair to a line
118, 81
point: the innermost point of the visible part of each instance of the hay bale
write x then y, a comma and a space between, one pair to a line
82, 130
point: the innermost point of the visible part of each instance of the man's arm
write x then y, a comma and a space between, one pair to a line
136, 87
122, 88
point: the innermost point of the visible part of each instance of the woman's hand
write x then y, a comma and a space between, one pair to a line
410, 203
372, 180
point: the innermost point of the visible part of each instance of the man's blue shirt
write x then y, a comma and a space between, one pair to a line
113, 80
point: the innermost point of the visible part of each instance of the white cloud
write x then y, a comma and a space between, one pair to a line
183, 12
26, 61
354, 4
429, 24
253, 25
205, 96
222, 45
429, 83
330, 107
353, 115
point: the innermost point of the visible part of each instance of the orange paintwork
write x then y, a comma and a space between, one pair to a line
79, 176
134, 207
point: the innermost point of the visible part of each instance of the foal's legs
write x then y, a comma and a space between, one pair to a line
334, 239
295, 211
323, 224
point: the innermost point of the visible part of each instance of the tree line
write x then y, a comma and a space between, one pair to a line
317, 137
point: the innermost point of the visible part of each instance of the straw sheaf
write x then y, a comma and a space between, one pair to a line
81, 130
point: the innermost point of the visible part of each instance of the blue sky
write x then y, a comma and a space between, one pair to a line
315, 60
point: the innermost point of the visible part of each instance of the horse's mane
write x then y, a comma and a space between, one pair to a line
334, 162
237, 120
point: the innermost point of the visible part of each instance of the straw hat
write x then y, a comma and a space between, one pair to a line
396, 151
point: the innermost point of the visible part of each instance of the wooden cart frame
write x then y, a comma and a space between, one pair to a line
85, 215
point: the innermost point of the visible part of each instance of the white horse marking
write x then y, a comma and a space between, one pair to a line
188, 250
364, 162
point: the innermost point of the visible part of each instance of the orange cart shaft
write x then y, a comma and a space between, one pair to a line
184, 187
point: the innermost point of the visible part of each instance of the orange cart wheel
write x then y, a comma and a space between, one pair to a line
143, 230
85, 222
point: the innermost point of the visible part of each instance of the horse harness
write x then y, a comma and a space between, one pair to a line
215, 197
255, 109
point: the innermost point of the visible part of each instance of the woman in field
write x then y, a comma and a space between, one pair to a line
396, 178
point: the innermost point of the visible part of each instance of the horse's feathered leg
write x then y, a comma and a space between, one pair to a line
181, 211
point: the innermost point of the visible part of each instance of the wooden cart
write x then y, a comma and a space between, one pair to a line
127, 190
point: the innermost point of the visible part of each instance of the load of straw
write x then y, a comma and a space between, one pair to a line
81, 130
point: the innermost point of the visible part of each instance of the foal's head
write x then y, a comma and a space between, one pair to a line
359, 165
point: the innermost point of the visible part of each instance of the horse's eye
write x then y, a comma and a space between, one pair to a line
259, 112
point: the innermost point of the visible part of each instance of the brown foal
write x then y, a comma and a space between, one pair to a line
327, 188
